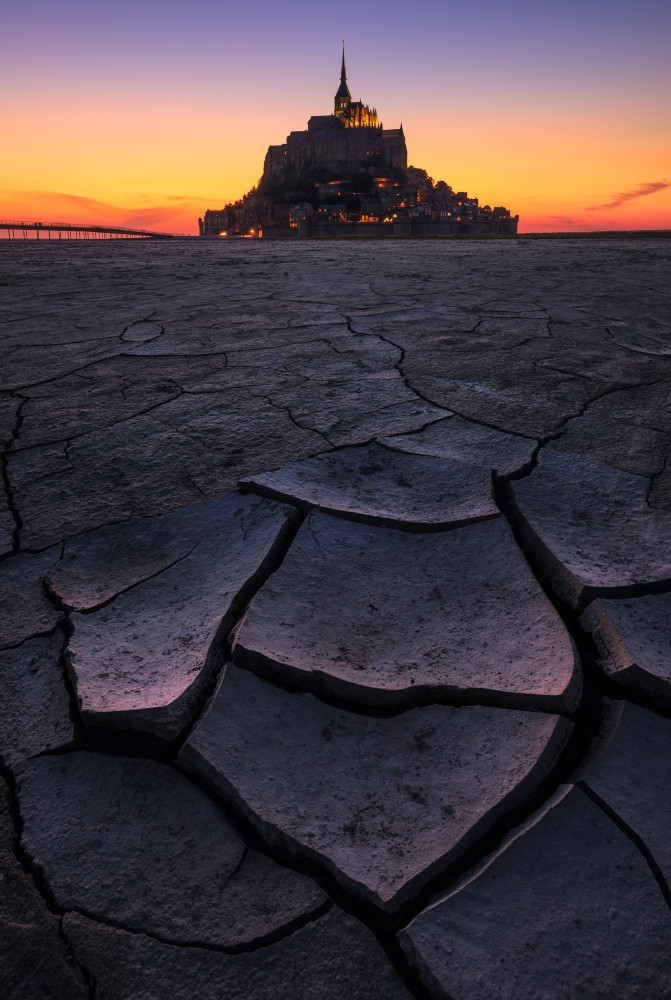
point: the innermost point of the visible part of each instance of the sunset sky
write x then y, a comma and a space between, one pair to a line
147, 114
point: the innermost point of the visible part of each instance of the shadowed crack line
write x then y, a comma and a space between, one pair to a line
398, 364
104, 427
23, 345
60, 605
35, 635
86, 973
24, 860
653, 482
27, 865
293, 419
449, 411
634, 837
559, 428
136, 322
109, 357
262, 941
68, 373
4, 472
273, 348
85, 531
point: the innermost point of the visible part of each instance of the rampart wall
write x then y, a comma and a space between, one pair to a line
402, 227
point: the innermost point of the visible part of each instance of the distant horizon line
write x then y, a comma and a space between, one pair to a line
156, 234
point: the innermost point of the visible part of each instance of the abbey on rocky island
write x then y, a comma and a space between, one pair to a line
349, 140
348, 175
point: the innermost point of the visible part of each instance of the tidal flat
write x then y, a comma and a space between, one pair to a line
336, 636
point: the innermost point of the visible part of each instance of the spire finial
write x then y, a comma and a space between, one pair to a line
343, 74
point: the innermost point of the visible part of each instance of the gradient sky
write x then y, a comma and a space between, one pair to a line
146, 114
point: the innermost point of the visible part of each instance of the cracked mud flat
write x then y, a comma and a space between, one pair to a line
336, 625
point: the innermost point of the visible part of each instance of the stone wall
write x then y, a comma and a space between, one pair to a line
402, 227
339, 150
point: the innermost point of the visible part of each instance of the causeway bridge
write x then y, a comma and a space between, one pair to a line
75, 230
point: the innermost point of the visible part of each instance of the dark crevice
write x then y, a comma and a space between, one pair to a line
398, 365
68, 373
84, 531
60, 605
263, 941
8, 446
544, 563
586, 724
383, 926
137, 322
109, 357
634, 837
35, 635
239, 606
50, 442
292, 418
622, 690
391, 705
71, 957
653, 481
381, 439
75, 717
558, 430
248, 349
23, 344
23, 858
589, 594
480, 422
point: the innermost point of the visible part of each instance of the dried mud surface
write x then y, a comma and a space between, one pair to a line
335, 631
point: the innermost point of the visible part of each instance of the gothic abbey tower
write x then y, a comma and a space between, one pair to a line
341, 143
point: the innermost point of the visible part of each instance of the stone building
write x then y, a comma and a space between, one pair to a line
346, 170
340, 143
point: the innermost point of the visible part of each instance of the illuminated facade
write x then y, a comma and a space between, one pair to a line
353, 114
341, 143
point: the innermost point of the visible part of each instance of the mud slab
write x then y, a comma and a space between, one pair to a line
381, 486
143, 660
594, 533
543, 912
133, 843
633, 637
332, 957
382, 617
383, 804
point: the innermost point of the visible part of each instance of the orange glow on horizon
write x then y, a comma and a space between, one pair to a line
102, 162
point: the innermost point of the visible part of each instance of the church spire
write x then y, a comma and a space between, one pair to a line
343, 98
